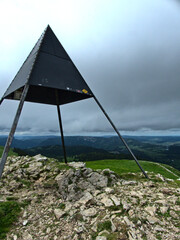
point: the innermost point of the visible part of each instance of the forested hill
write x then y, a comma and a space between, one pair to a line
158, 149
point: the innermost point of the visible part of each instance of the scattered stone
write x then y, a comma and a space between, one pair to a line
101, 238
107, 202
69, 204
115, 200
126, 206
109, 190
98, 180
77, 164
152, 220
41, 158
164, 209
58, 213
128, 222
25, 222
27, 236
15, 237
128, 182
166, 191
86, 198
151, 210
113, 227
79, 229
90, 212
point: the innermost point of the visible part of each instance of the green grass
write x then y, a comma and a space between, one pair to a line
9, 212
104, 226
11, 153
126, 166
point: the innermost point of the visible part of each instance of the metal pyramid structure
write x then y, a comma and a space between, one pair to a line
49, 67
49, 76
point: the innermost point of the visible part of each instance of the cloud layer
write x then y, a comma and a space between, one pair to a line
127, 51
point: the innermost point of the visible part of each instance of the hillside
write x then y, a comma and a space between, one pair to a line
11, 152
158, 149
50, 200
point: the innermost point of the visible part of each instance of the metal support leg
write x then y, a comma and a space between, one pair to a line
122, 139
13, 129
61, 127
1, 100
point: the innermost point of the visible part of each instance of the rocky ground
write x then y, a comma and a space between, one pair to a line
77, 203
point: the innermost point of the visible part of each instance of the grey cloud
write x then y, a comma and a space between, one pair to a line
133, 69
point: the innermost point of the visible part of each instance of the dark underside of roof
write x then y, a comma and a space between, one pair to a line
46, 95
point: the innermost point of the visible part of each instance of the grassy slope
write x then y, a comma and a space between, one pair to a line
11, 153
126, 166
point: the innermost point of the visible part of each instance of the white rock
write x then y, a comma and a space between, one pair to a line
58, 213
27, 236
15, 237
90, 212
151, 210
152, 220
126, 206
128, 222
116, 200
77, 164
161, 201
86, 198
25, 222
128, 182
113, 227
79, 229
101, 238
109, 190
98, 180
164, 209
34, 166
68, 206
107, 202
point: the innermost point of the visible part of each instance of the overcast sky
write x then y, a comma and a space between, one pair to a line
128, 52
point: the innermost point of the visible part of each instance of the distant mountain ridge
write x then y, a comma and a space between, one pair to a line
159, 149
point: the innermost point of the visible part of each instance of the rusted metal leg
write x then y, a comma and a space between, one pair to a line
13, 129
122, 139
61, 127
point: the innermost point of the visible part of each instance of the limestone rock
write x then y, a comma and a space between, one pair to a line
107, 202
164, 209
27, 236
98, 180
115, 200
86, 198
41, 158
90, 212
109, 190
77, 164
128, 222
152, 220
101, 238
151, 210
58, 213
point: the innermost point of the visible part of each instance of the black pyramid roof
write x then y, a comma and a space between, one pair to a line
48, 67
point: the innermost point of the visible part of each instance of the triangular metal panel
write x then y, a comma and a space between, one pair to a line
50, 67
24, 72
51, 45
